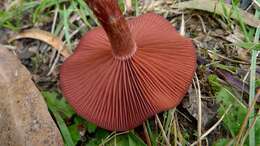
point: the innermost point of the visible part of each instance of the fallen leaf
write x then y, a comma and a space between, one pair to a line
243, 54
46, 37
191, 104
215, 6
233, 81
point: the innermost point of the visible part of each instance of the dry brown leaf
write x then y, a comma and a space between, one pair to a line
215, 6
191, 104
243, 54
46, 37
24, 116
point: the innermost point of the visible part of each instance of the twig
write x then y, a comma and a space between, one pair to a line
235, 98
252, 125
72, 19
228, 59
53, 51
202, 23
182, 29
199, 110
147, 135
111, 136
175, 133
163, 132
172, 111
54, 64
256, 3
128, 6
245, 121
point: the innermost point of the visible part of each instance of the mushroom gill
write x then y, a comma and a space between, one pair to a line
127, 70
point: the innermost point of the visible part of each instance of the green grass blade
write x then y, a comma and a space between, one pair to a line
66, 17
63, 128
151, 135
61, 124
252, 82
136, 4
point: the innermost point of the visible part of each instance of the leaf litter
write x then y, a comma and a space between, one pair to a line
223, 73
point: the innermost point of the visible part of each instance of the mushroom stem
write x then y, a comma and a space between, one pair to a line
111, 18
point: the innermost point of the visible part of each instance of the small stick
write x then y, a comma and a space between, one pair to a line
163, 132
128, 6
242, 128
257, 3
111, 136
199, 110
147, 138
182, 32
175, 132
252, 125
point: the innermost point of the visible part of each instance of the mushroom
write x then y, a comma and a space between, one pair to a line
127, 70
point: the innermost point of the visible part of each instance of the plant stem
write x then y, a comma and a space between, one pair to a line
148, 141
162, 130
245, 121
251, 96
254, 121
252, 82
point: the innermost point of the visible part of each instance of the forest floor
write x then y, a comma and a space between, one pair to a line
216, 109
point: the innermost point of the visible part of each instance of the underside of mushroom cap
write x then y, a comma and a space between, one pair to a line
120, 94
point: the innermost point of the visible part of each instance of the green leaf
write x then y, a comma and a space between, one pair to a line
94, 142
236, 115
221, 142
101, 133
89, 126
66, 13
228, 68
257, 131
59, 105
13, 18
250, 45
54, 104
214, 83
74, 132
234, 120
135, 140
63, 128
257, 83
129, 139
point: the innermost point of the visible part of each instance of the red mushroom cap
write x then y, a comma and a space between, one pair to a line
119, 93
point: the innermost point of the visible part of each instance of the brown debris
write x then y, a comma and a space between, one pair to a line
44, 36
215, 6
